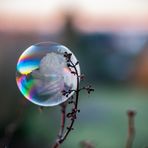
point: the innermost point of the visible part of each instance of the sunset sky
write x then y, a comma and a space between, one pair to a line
88, 15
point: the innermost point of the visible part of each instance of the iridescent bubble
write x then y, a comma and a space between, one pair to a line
42, 74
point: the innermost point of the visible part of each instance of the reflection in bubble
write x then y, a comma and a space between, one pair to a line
42, 74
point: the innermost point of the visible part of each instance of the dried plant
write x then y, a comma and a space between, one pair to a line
86, 144
72, 116
131, 128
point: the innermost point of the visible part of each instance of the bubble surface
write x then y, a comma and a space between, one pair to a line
42, 74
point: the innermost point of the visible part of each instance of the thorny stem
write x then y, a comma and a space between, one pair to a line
75, 107
73, 114
63, 116
62, 126
62, 136
131, 128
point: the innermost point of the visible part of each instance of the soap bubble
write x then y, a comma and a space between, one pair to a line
42, 74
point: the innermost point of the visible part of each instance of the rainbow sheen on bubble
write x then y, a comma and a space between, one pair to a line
42, 74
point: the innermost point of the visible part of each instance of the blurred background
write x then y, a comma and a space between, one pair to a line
109, 38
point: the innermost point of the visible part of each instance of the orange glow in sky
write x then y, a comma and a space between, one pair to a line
88, 15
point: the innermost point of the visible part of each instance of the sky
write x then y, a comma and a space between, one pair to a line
88, 15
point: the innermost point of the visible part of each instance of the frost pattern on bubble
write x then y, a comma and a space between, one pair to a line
49, 78
52, 63
42, 74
